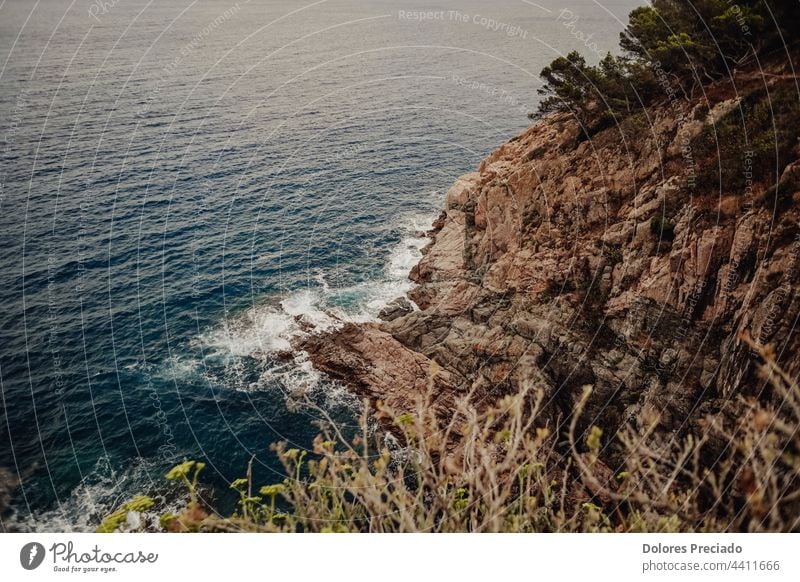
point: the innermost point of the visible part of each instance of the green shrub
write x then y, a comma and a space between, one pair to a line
750, 145
668, 46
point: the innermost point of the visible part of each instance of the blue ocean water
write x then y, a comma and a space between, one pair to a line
185, 183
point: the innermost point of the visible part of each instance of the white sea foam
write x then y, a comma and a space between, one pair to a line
409, 251
248, 351
179, 368
270, 328
371, 296
99, 493
245, 346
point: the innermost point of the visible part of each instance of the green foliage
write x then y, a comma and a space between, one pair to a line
192, 518
750, 144
404, 419
113, 521
596, 94
706, 38
667, 46
181, 473
593, 440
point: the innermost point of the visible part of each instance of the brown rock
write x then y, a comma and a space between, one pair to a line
543, 268
379, 367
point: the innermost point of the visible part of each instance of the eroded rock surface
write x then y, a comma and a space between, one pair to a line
545, 268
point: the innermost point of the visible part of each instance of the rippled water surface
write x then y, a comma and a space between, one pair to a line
185, 183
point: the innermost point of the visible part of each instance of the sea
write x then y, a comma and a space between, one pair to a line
186, 184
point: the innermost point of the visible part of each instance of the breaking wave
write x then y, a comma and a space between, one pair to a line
99, 493
253, 349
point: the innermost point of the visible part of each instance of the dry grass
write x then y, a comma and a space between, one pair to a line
497, 470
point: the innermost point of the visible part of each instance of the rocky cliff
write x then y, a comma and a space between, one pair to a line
608, 260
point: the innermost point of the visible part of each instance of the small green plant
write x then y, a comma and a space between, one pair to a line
191, 519
181, 473
113, 521
593, 440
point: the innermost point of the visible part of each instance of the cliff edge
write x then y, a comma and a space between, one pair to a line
631, 260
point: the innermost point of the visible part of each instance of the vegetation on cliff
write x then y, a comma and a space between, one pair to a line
669, 46
501, 470
581, 359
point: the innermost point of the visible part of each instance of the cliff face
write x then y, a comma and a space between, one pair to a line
566, 261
